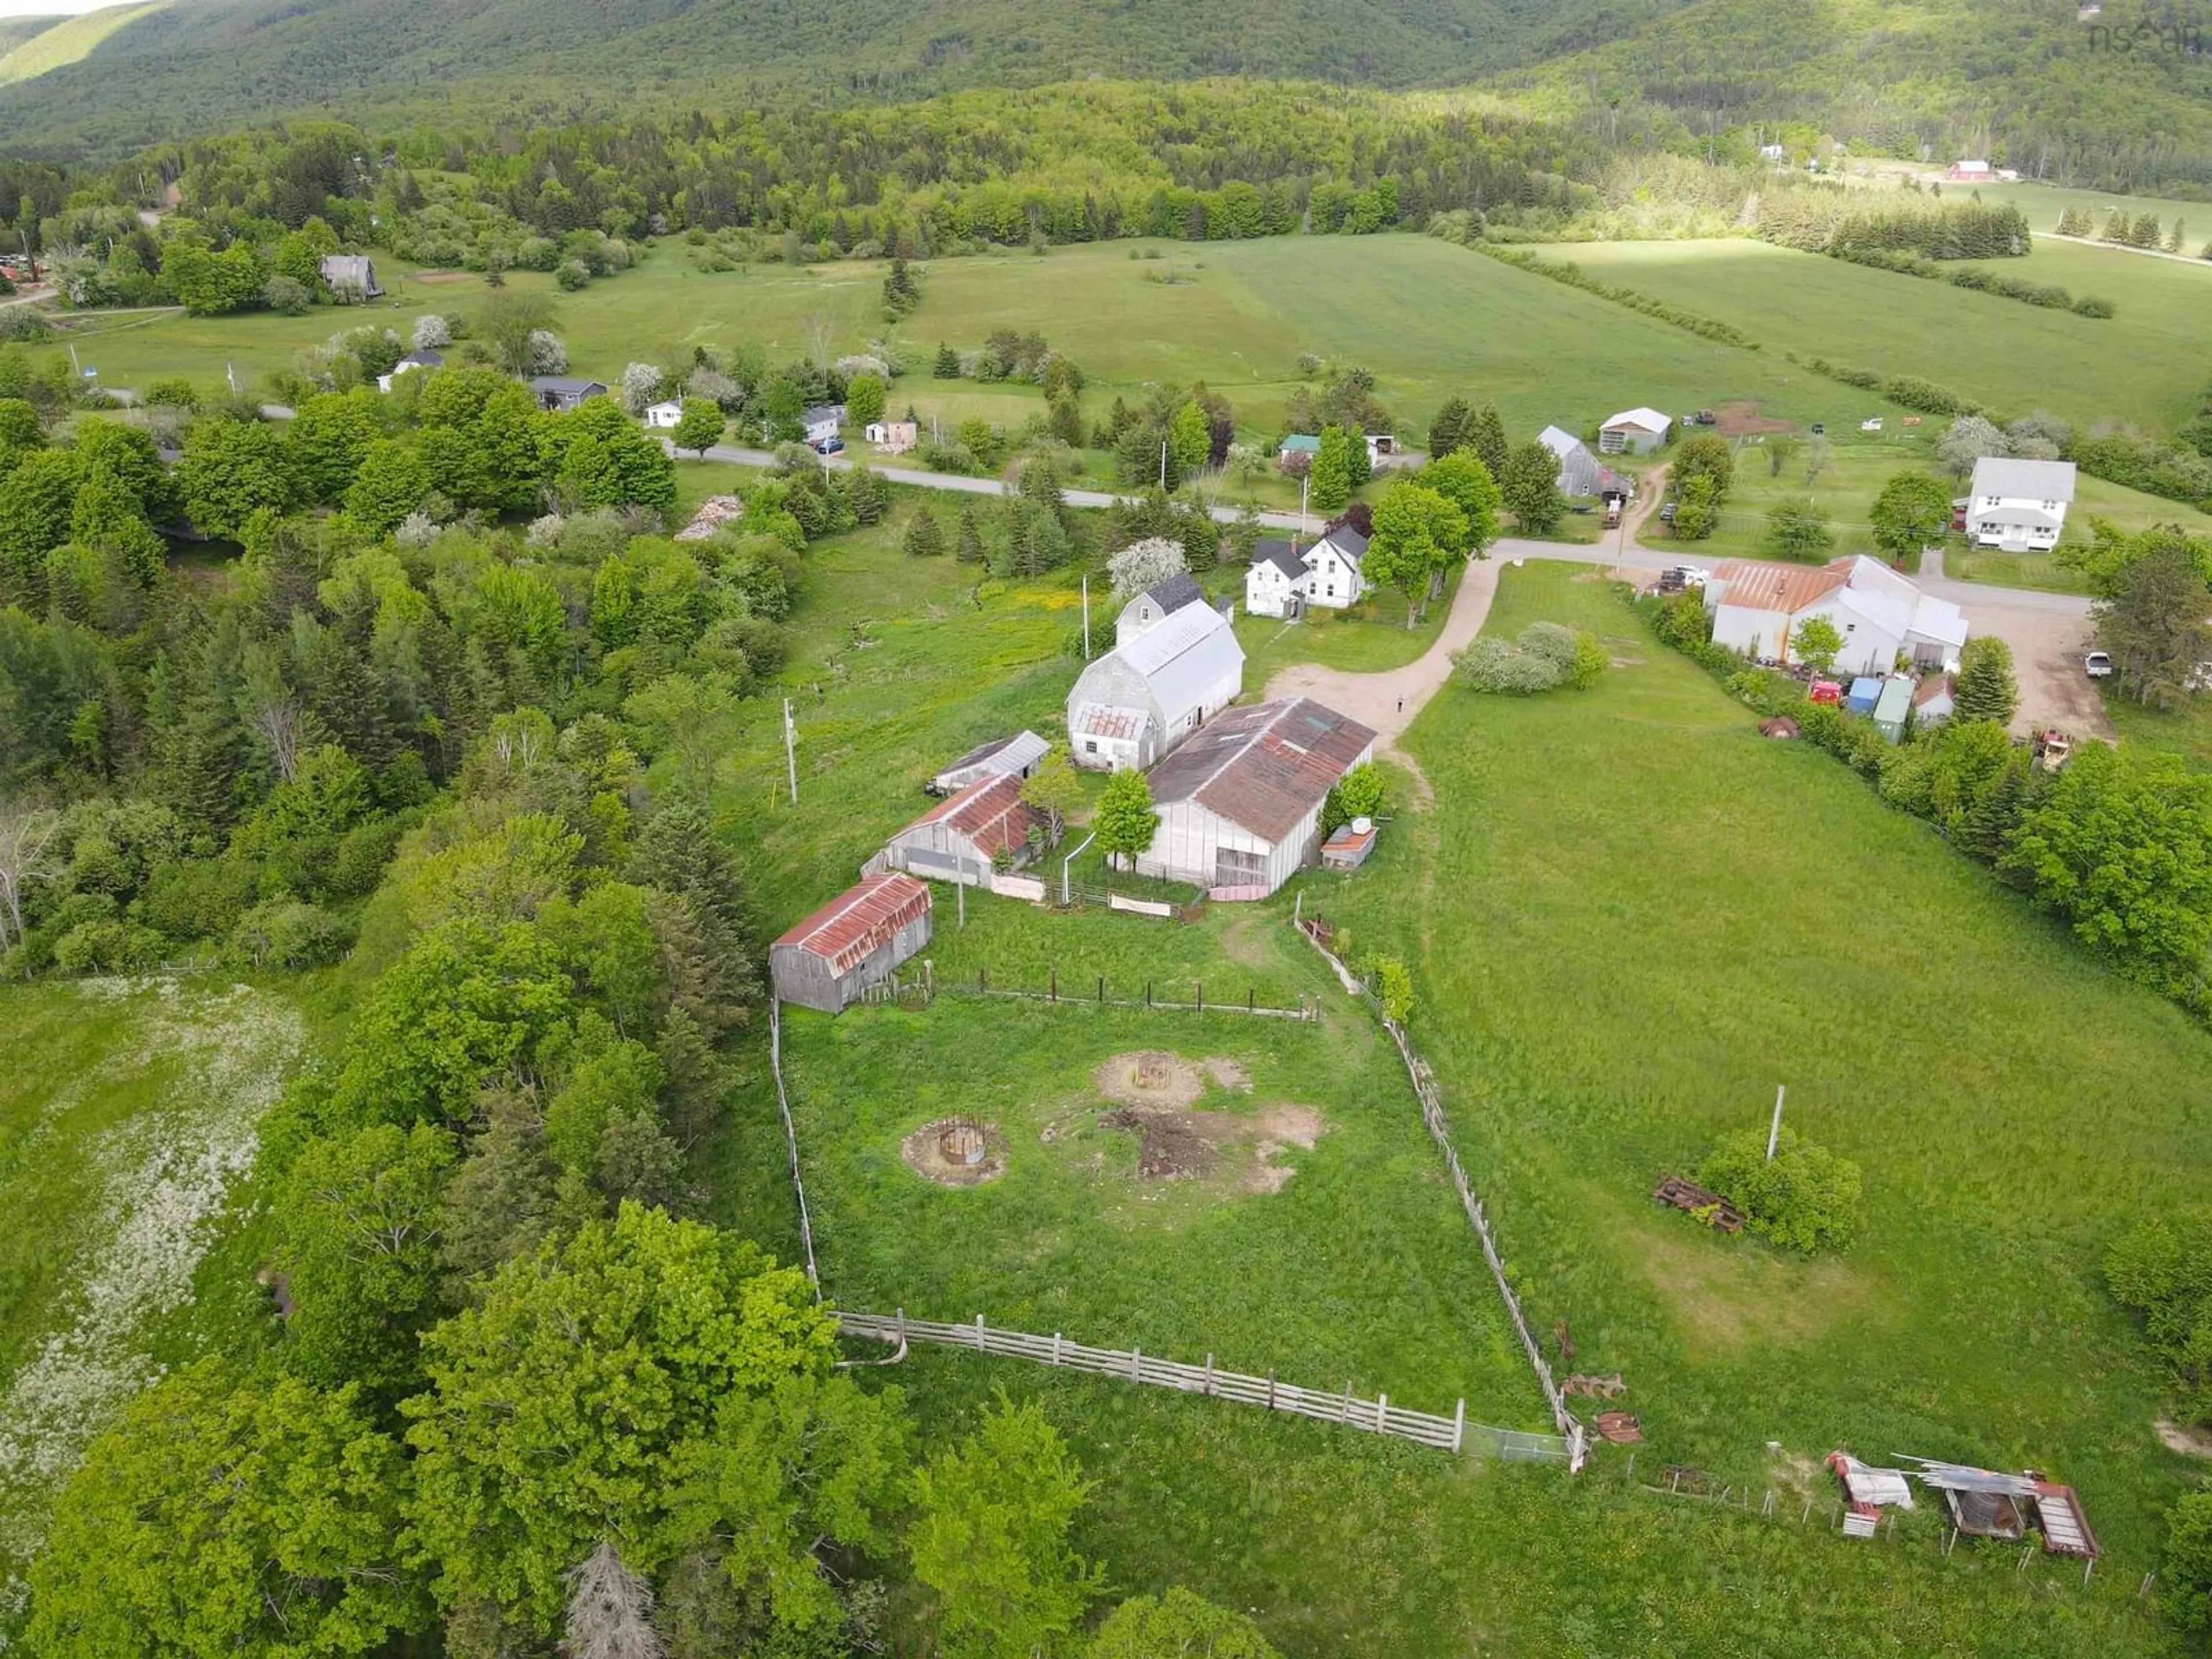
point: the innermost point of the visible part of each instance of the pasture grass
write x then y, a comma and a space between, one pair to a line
2149, 364
1360, 1268
1630, 917
1431, 320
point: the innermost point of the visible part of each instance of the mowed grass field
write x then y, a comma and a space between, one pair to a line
1431, 320
1632, 918
2148, 364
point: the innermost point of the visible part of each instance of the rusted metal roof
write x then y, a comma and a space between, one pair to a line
1263, 768
844, 930
1098, 720
1765, 584
990, 812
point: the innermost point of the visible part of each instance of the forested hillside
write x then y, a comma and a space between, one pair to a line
2031, 85
203, 65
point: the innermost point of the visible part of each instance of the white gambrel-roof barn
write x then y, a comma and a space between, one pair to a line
1139, 701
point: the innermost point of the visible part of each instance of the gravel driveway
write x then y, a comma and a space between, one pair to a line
2047, 648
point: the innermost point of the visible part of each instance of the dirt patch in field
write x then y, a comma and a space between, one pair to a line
1150, 1078
1725, 1295
1741, 418
1229, 1074
1240, 1148
441, 275
2190, 1443
956, 1152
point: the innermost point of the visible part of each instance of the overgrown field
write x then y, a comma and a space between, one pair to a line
1632, 918
119, 1149
2149, 364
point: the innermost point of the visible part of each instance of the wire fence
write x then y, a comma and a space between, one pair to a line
920, 989
1439, 1126
1376, 1416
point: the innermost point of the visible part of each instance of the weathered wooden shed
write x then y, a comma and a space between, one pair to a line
960, 838
857, 939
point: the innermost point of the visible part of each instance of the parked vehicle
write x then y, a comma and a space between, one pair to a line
2098, 665
1613, 515
1666, 513
2050, 749
1705, 417
1826, 691
1819, 428
829, 446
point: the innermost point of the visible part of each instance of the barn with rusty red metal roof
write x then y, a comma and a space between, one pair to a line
857, 939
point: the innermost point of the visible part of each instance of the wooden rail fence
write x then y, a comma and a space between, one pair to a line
923, 989
1376, 1416
1439, 1127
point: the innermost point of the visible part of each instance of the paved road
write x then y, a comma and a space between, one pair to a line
1977, 599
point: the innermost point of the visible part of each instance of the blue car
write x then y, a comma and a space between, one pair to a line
829, 446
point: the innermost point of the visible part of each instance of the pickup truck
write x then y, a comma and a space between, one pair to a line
2098, 665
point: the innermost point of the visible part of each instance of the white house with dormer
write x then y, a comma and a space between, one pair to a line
1284, 581
2019, 506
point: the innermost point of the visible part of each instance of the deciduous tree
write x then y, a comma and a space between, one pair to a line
699, 427
990, 1536
1124, 821
1817, 643
1912, 511
1529, 487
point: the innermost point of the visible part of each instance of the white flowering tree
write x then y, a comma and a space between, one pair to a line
1143, 564
641, 387
432, 331
547, 355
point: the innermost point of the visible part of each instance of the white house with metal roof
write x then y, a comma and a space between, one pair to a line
1240, 803
1143, 697
2019, 506
1284, 581
1758, 605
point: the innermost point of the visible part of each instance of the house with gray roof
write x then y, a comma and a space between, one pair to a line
1274, 582
1287, 581
1240, 802
2019, 506
1156, 604
1142, 698
1018, 755
561, 393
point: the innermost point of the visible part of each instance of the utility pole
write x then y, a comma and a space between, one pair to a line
1774, 1130
1302, 525
1163, 464
1086, 618
791, 751
961, 887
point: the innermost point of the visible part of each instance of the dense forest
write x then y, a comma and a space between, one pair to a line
205, 66
2029, 87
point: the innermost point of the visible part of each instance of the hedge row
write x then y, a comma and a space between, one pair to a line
1908, 390
2049, 295
1575, 277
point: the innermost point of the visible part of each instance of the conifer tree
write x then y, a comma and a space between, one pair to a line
924, 538
971, 537
1486, 435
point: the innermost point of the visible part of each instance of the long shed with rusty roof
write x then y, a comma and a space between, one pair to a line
1240, 802
857, 939
962, 837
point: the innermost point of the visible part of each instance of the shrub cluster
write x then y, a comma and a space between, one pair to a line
1545, 657
1805, 1198
1574, 275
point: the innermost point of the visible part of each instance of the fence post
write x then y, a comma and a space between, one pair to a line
1459, 1423
1250, 994
1136, 1365
1209, 1375
1271, 1391
1381, 1406
1055, 1347
979, 981
980, 1348
1201, 996
901, 1319
1148, 994
1102, 990
1054, 994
